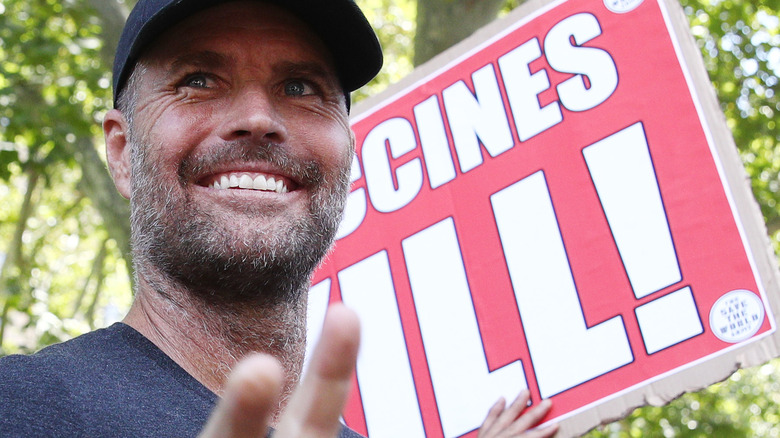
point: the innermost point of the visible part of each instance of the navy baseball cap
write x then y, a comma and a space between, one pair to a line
340, 24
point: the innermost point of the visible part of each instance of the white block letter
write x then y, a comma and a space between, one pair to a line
319, 297
565, 352
383, 371
669, 320
474, 118
623, 174
434, 142
592, 62
355, 210
523, 88
464, 386
397, 133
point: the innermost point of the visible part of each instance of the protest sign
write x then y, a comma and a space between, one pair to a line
554, 204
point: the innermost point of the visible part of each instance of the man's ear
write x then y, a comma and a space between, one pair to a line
118, 150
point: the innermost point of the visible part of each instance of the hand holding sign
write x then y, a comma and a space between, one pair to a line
503, 422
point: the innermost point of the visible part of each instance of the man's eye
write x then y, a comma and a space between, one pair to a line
197, 81
297, 88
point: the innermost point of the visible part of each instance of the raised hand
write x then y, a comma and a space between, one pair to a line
252, 391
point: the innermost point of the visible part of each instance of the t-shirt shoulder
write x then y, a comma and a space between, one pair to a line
113, 374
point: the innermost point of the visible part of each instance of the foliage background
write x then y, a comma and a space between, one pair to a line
64, 244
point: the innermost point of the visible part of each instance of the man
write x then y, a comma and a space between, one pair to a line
231, 139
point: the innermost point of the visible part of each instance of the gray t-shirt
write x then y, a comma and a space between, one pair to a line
112, 382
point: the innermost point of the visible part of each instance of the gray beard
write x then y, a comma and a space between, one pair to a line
172, 236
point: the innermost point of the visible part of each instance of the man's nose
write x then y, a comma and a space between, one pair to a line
253, 114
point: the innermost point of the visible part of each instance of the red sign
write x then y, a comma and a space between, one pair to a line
546, 211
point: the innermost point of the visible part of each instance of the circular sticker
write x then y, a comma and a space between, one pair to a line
736, 316
622, 6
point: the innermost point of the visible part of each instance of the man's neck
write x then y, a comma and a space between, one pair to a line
208, 340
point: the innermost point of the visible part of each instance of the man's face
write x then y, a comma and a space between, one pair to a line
240, 94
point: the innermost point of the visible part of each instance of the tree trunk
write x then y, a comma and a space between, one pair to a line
13, 253
112, 15
96, 182
442, 23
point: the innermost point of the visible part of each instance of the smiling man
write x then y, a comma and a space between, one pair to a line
231, 139
237, 162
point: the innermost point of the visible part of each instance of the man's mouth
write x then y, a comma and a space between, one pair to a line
250, 181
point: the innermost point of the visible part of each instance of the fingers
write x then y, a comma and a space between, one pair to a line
513, 411
531, 415
315, 407
492, 416
501, 417
249, 399
531, 418
507, 422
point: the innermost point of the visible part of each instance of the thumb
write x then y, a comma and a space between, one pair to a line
315, 407
250, 397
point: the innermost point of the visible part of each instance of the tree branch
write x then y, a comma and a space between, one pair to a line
98, 185
14, 250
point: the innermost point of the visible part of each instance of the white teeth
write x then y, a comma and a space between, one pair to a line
259, 183
244, 181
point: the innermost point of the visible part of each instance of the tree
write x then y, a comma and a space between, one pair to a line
53, 90
441, 23
64, 234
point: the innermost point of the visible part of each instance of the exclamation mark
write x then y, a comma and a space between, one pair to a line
623, 174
